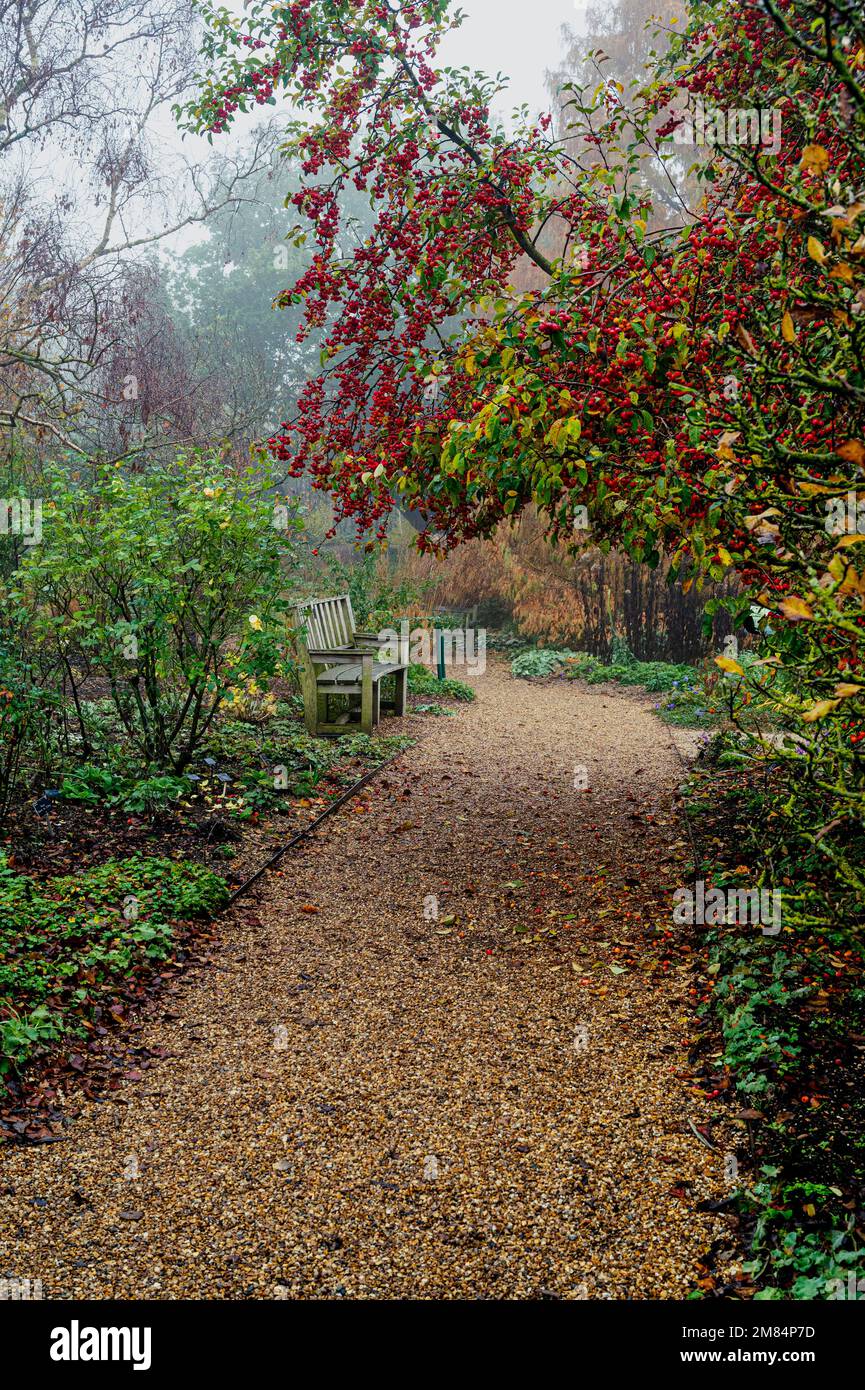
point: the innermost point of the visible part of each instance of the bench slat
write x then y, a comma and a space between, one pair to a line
353, 675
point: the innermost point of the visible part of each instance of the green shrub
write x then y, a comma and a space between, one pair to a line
541, 662
166, 585
421, 681
153, 794
19, 1037
24, 704
91, 785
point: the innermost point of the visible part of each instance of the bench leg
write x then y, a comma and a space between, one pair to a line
368, 692
401, 692
321, 710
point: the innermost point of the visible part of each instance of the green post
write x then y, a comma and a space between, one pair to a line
440, 643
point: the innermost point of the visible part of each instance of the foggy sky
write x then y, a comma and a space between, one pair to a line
521, 38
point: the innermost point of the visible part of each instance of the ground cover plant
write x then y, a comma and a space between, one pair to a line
782, 1028
69, 945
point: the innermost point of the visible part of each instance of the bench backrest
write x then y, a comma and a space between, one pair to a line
329, 623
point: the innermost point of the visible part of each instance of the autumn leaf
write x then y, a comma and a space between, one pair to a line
815, 159
727, 663
846, 689
788, 328
796, 609
853, 451
816, 250
820, 710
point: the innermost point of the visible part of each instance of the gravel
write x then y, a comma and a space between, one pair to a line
441, 1057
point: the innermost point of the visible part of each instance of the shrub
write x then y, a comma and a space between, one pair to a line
23, 703
91, 785
421, 681
543, 662
167, 586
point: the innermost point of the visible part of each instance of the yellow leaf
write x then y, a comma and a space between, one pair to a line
812, 489
816, 250
727, 663
788, 329
846, 689
853, 451
796, 609
815, 158
820, 710
846, 541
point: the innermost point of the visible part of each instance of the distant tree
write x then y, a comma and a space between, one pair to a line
84, 190
221, 294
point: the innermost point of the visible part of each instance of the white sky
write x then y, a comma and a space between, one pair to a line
521, 38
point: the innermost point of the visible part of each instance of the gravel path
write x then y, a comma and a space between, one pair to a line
364, 1100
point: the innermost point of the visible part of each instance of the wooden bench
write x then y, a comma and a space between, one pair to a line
335, 658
